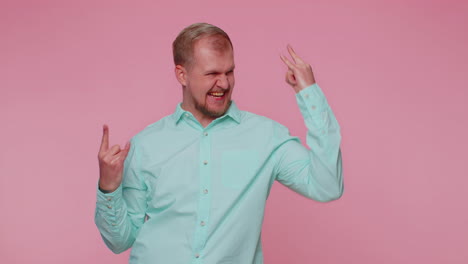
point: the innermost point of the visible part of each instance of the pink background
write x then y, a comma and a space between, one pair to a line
394, 73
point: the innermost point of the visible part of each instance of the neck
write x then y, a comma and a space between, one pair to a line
204, 120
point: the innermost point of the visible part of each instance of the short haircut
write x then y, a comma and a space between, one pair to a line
182, 47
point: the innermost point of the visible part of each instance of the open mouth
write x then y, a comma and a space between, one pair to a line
217, 95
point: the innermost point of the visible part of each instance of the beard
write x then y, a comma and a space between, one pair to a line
210, 112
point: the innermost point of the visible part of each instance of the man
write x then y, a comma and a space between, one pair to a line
192, 187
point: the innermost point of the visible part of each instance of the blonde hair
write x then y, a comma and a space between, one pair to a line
182, 47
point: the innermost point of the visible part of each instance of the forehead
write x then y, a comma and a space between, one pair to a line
212, 51
217, 43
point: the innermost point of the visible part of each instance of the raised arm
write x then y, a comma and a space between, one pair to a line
120, 205
316, 172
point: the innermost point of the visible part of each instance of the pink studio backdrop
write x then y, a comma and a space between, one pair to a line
394, 73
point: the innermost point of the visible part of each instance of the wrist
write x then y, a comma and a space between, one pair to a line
107, 188
299, 89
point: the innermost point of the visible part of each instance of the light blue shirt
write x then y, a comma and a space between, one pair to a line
197, 195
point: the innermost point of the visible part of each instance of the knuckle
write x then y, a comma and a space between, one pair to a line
107, 161
115, 162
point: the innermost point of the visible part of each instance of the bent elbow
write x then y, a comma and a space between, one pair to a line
116, 248
330, 196
111, 237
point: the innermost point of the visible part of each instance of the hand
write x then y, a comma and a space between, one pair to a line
299, 74
111, 163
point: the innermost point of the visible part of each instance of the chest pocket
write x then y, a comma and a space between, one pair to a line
238, 167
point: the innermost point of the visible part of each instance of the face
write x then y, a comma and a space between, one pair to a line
209, 82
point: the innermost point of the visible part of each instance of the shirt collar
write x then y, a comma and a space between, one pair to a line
233, 112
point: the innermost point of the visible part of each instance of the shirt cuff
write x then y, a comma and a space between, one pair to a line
313, 105
111, 202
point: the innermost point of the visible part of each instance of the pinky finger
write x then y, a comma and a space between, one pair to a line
125, 151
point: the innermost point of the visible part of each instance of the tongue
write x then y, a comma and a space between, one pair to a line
215, 97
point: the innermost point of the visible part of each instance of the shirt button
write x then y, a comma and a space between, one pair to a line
202, 223
187, 115
114, 224
205, 191
197, 255
109, 199
205, 162
110, 207
313, 107
205, 134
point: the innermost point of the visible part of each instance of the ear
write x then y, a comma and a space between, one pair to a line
181, 74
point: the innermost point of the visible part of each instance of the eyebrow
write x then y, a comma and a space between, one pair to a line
214, 71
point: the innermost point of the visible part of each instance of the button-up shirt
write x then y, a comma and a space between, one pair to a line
197, 195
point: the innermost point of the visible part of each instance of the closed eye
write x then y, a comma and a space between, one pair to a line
215, 73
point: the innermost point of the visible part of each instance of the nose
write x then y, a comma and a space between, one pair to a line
223, 81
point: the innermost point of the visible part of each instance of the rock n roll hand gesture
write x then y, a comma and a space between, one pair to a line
299, 74
111, 163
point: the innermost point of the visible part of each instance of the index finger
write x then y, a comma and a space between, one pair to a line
294, 55
287, 62
105, 138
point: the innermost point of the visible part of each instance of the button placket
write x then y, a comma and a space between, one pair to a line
204, 200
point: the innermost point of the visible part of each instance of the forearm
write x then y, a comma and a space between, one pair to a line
114, 221
323, 139
315, 173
